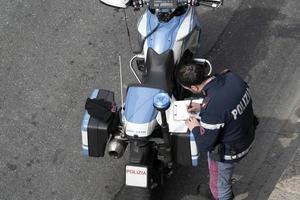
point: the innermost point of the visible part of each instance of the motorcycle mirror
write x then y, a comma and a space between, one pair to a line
115, 3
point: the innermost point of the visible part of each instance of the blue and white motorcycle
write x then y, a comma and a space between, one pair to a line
170, 34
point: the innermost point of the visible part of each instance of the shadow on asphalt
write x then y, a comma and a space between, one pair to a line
243, 43
262, 168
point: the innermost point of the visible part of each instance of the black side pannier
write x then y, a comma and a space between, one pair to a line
100, 110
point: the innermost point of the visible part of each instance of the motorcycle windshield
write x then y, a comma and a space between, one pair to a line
139, 107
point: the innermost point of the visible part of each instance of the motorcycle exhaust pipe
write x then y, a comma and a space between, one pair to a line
116, 148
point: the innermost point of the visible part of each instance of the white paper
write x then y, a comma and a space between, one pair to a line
178, 126
180, 112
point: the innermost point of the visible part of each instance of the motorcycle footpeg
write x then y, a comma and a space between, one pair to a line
168, 173
153, 185
140, 65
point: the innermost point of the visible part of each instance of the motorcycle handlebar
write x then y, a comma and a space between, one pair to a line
176, 3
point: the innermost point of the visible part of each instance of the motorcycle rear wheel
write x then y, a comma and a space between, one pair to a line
133, 193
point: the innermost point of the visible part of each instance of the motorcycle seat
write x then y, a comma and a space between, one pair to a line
159, 70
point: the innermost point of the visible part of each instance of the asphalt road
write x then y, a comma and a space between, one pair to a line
53, 53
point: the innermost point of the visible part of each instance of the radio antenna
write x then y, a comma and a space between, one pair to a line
121, 80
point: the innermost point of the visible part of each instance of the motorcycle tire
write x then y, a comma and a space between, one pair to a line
133, 193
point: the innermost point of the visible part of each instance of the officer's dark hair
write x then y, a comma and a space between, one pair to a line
191, 73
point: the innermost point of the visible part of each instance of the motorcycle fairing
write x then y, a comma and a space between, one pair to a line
140, 114
179, 34
116, 3
164, 37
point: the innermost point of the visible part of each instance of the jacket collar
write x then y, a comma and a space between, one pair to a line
217, 81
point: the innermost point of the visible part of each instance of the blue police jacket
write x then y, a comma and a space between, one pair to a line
226, 117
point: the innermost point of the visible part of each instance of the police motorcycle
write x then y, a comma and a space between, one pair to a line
169, 35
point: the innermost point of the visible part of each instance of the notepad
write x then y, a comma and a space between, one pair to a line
178, 126
180, 112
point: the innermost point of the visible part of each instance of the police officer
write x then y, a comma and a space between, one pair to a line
226, 128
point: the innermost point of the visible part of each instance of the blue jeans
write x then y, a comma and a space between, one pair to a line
220, 179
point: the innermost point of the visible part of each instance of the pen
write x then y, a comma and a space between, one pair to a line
190, 106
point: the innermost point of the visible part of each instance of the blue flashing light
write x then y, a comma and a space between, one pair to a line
161, 101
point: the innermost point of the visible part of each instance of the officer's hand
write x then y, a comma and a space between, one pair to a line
195, 108
191, 123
